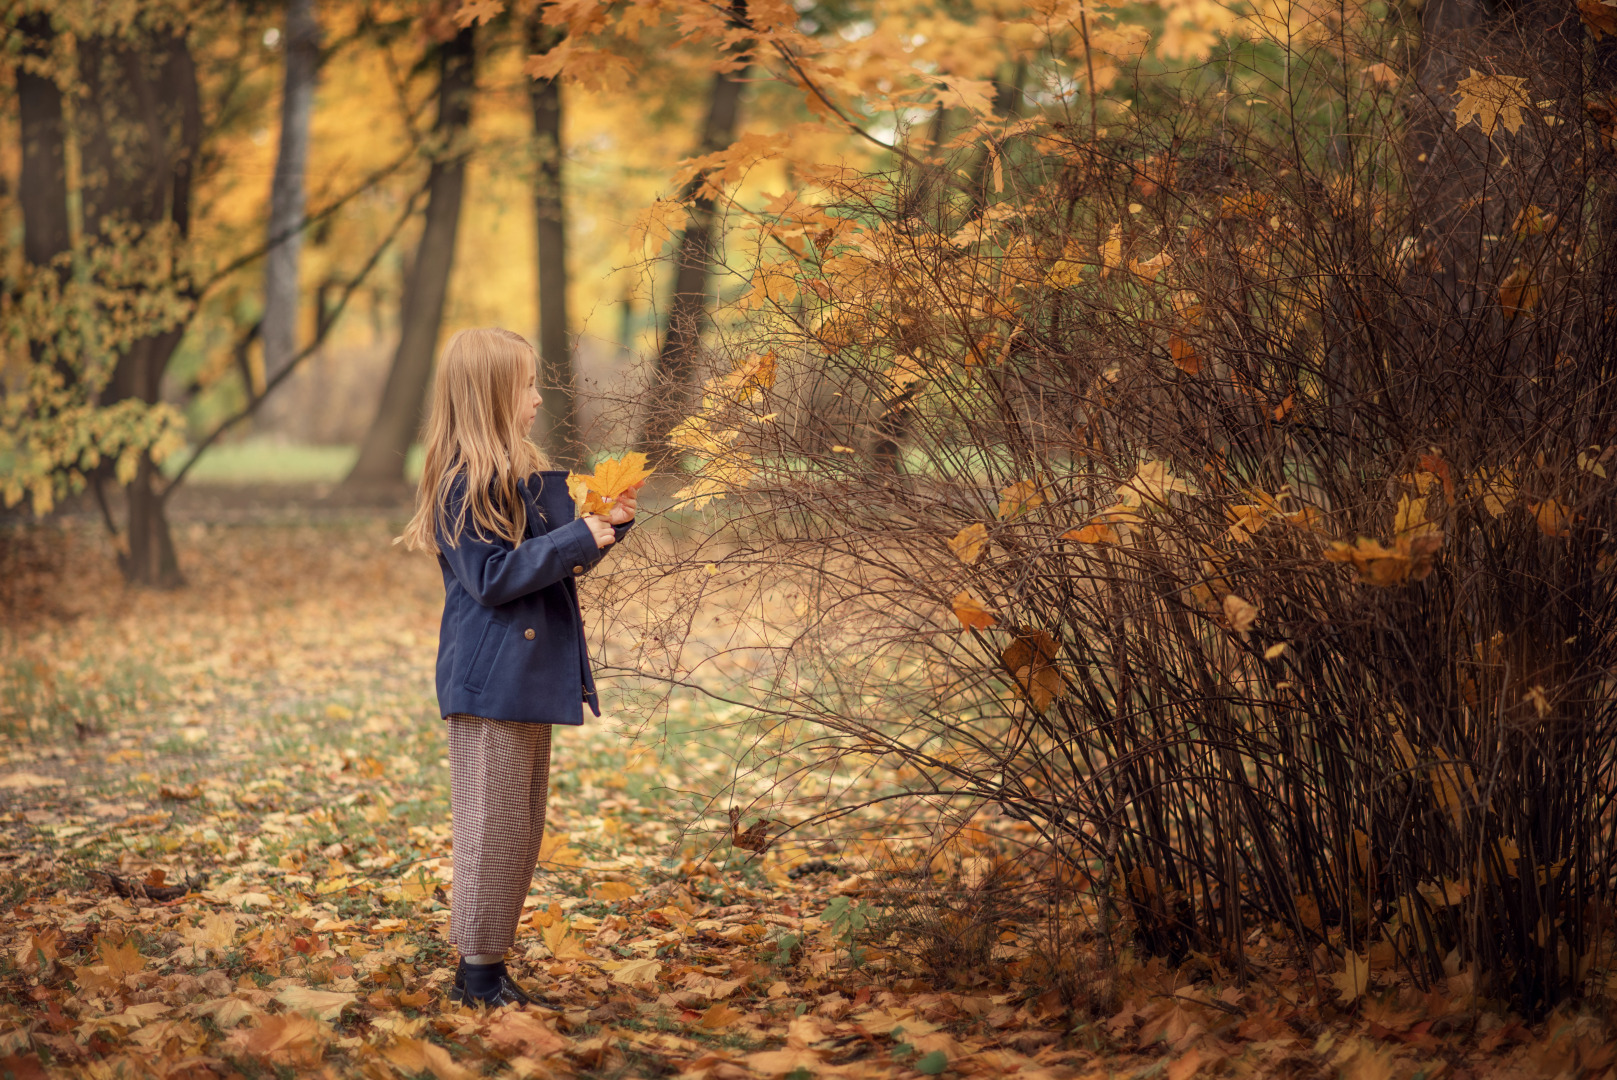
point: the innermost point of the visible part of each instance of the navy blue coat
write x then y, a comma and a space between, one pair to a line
512, 642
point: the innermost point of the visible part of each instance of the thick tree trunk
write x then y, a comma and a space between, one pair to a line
558, 421
398, 419
42, 182
140, 129
287, 193
693, 261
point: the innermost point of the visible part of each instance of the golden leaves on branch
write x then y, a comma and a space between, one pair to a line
655, 224
1497, 490
1240, 613
1519, 291
1111, 252
1150, 268
1411, 557
711, 432
1153, 482
972, 612
1380, 73
1554, 518
1067, 270
1600, 16
1493, 101
1030, 659
1532, 221
969, 543
773, 283
472, 12
755, 838
581, 65
1249, 519
1019, 498
1096, 532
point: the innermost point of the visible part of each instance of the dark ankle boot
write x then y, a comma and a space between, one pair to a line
488, 985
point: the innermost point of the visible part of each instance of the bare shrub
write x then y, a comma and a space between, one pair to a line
1224, 496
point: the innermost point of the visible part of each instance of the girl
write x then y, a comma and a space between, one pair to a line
511, 648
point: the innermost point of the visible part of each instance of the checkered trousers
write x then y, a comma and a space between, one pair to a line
499, 778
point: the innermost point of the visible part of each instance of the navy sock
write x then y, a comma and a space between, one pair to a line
483, 980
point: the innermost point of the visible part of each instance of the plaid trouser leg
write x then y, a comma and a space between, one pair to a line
499, 779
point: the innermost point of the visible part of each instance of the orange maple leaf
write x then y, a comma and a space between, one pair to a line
971, 612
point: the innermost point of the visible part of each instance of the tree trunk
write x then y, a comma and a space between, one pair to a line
1007, 106
558, 421
140, 130
398, 419
693, 261
42, 181
280, 326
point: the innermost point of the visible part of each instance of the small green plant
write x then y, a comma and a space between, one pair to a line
848, 921
785, 944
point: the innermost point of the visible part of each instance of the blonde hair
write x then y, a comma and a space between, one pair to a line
474, 433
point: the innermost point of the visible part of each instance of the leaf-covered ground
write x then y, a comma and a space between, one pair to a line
226, 853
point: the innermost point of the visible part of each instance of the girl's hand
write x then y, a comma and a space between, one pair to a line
600, 530
624, 506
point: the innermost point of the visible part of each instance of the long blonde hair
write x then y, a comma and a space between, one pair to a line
474, 432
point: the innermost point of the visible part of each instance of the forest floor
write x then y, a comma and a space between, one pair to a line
224, 841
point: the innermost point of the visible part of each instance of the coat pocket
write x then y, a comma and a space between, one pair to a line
487, 651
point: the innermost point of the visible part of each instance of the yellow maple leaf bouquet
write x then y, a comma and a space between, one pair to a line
594, 493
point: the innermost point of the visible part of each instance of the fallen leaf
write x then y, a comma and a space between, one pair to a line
719, 1015
563, 945
781, 1062
288, 1038
1354, 979
325, 1004
122, 960
612, 891
1190, 1064
22, 781
514, 1027
640, 971
418, 1055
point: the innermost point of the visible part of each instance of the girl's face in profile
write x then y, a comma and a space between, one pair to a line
528, 401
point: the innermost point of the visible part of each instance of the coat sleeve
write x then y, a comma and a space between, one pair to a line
618, 533
495, 573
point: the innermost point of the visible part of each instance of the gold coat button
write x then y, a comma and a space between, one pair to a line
578, 569
528, 633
